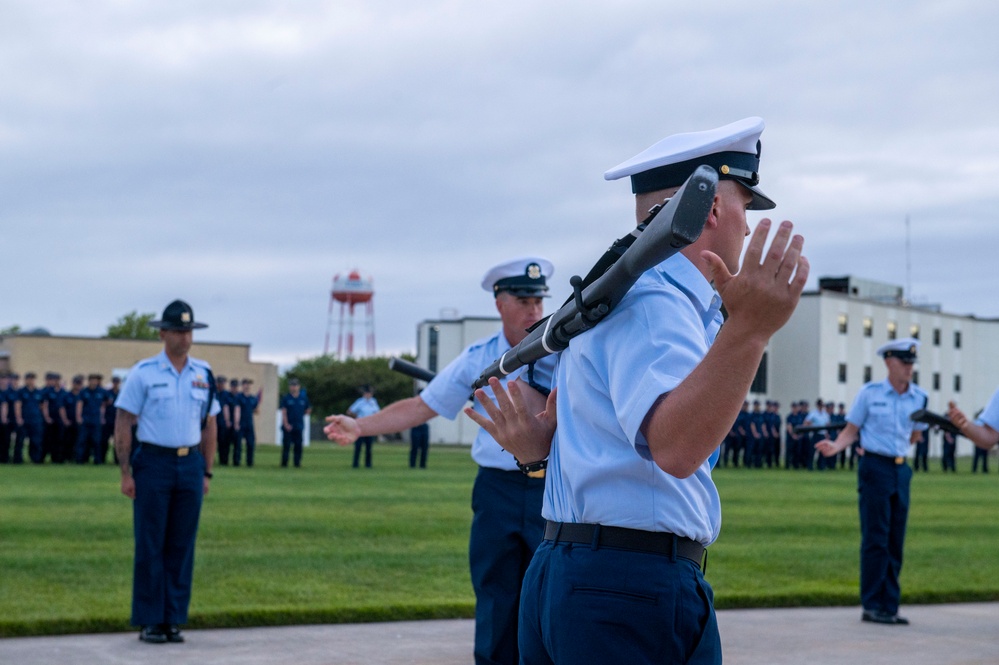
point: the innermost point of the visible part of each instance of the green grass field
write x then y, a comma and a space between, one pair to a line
327, 543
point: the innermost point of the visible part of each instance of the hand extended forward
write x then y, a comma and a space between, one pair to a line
342, 429
521, 420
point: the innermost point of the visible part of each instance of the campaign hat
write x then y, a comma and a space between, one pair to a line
178, 315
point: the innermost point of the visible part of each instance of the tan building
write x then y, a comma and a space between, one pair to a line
70, 356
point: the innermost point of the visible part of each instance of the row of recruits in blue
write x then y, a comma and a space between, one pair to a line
62, 425
236, 433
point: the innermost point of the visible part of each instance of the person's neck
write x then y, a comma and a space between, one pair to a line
178, 362
900, 385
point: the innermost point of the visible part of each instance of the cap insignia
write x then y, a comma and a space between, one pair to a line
534, 271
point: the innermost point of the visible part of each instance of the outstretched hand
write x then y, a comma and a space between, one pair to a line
521, 420
764, 293
342, 429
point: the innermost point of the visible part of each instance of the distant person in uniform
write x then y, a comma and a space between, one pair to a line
948, 458
6, 414
166, 471
249, 405
294, 407
364, 406
30, 421
880, 415
69, 416
816, 418
506, 501
52, 396
225, 421
922, 452
90, 415
643, 401
15, 431
110, 413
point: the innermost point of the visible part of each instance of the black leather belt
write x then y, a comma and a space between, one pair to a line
897, 461
635, 540
182, 451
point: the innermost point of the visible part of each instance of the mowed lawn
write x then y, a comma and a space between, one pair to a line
328, 543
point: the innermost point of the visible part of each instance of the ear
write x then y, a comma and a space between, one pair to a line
712, 221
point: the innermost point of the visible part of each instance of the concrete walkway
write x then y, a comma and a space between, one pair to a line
959, 634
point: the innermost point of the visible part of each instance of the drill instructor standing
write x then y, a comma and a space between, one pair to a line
166, 472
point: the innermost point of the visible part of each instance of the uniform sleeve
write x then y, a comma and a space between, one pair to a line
639, 373
858, 411
133, 393
451, 388
990, 416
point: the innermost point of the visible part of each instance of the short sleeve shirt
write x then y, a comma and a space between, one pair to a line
883, 416
169, 404
990, 416
364, 406
452, 388
600, 469
295, 408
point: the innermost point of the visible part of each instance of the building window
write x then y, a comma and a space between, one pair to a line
867, 373
957, 339
892, 330
760, 380
842, 324
936, 337
957, 383
432, 342
842, 372
915, 377
914, 331
868, 326
936, 380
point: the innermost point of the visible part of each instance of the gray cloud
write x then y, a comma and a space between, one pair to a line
239, 154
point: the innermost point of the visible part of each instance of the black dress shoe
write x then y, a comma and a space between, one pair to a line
172, 633
876, 616
152, 634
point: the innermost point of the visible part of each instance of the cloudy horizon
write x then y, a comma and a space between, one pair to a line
238, 155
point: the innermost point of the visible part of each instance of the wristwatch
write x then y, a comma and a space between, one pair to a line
534, 469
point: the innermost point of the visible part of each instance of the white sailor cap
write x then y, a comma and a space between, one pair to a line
523, 277
904, 349
733, 151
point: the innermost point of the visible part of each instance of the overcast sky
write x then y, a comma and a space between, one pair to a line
238, 154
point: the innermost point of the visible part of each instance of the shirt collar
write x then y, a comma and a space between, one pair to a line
167, 365
684, 275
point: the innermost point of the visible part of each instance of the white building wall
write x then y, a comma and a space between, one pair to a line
805, 355
453, 336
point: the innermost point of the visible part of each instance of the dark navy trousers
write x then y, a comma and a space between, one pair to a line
168, 495
583, 605
291, 442
506, 529
883, 488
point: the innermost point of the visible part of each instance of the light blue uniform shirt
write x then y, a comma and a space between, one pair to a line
169, 404
817, 418
883, 417
600, 469
452, 387
364, 406
990, 416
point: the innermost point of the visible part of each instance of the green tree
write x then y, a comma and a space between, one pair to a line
133, 326
332, 385
10, 330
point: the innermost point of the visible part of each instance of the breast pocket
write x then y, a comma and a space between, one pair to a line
160, 402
